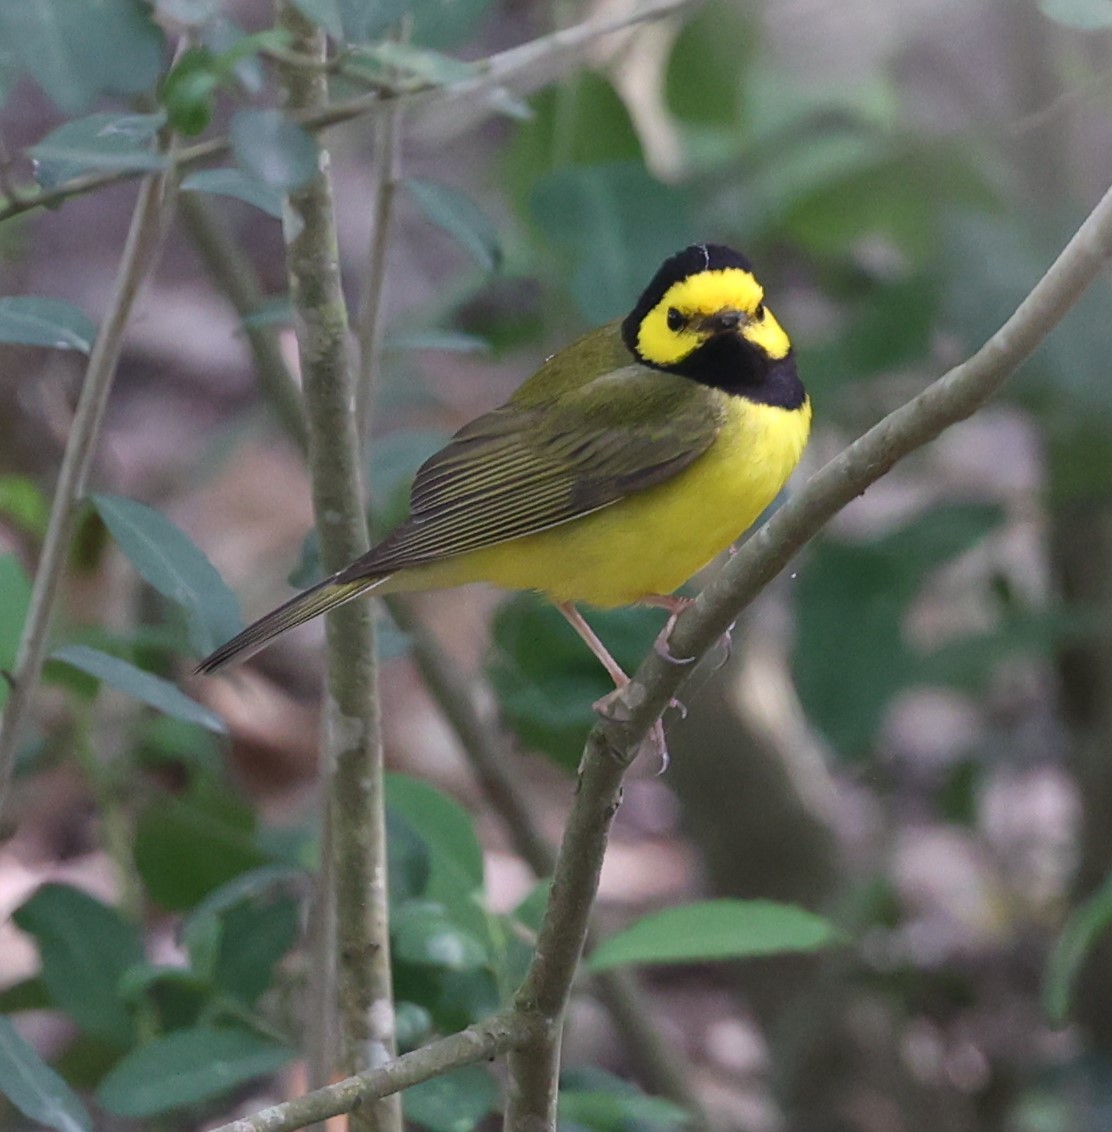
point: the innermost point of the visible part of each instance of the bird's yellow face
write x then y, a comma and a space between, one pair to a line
703, 317
702, 306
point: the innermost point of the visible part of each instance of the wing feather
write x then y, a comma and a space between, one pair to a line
520, 469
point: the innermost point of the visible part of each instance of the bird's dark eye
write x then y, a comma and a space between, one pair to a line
759, 313
676, 321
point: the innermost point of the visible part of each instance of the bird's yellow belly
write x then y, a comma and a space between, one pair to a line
654, 540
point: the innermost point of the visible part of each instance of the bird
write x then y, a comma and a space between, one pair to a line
621, 468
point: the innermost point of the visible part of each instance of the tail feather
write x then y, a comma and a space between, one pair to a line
304, 607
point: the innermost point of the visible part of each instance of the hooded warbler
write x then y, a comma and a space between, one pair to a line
625, 464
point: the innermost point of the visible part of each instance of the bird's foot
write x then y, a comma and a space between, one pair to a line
675, 606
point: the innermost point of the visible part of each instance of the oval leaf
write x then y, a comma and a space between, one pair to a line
170, 561
143, 686
186, 1067
236, 183
32, 321
274, 150
458, 215
34, 1088
455, 855
98, 142
77, 51
715, 929
85, 948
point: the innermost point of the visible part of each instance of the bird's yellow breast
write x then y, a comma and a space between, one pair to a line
652, 541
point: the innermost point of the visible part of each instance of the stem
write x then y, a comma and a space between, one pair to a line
152, 207
527, 68
482, 1042
355, 813
234, 274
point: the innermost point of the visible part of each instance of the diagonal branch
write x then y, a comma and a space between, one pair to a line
522, 69
614, 741
482, 1042
152, 208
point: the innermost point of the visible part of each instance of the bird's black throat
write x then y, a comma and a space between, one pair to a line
736, 366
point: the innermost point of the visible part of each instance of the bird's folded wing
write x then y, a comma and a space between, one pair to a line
518, 471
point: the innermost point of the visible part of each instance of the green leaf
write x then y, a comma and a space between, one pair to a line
168, 559
273, 149
1084, 14
455, 855
188, 91
615, 223
141, 685
847, 688
187, 847
22, 502
99, 143
257, 918
32, 321
454, 1102
423, 933
715, 929
408, 855
85, 948
15, 596
77, 50
1086, 924
594, 1099
456, 213
187, 1067
34, 1088
235, 183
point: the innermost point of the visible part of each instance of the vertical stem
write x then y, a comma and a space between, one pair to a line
353, 747
152, 207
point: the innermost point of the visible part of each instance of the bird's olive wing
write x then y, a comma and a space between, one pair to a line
517, 471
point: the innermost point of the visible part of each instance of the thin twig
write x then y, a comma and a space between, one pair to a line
152, 207
614, 741
482, 1042
236, 277
353, 741
522, 69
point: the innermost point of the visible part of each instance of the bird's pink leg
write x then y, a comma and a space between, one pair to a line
591, 639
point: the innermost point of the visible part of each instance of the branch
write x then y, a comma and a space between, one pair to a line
152, 208
614, 741
661, 1067
353, 769
525, 68
484, 1041
234, 274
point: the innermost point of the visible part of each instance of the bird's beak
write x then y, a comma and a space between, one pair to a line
722, 321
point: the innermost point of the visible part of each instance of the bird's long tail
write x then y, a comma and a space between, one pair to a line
304, 607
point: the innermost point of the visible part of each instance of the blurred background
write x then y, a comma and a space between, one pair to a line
912, 732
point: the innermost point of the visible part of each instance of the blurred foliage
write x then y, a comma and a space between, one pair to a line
897, 245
